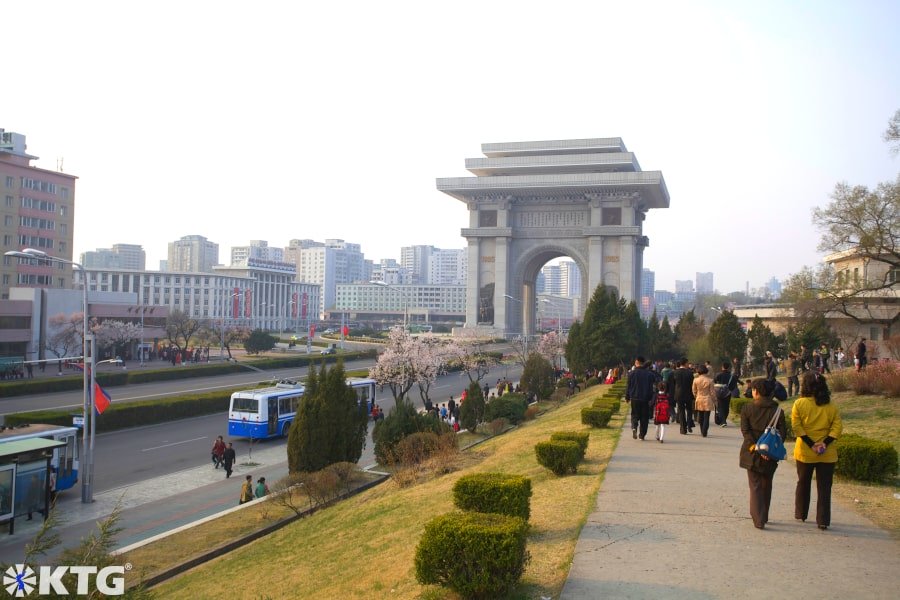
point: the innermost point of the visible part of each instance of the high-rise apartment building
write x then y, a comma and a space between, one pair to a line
258, 249
37, 210
570, 279
552, 281
705, 283
648, 289
328, 264
447, 267
416, 260
120, 256
193, 254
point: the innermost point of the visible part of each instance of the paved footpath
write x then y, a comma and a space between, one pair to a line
672, 521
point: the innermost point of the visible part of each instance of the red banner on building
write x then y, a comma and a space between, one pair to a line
304, 305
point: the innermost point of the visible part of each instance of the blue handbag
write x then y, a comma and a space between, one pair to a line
770, 443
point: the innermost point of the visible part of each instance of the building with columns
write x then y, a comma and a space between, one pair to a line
531, 202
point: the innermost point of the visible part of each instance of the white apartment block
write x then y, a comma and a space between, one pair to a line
258, 249
327, 265
447, 267
705, 283
120, 256
421, 302
194, 254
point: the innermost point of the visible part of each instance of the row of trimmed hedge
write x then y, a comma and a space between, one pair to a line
601, 411
122, 415
22, 387
479, 553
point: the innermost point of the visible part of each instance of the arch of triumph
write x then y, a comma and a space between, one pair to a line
531, 202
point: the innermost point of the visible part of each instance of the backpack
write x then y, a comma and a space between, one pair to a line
661, 412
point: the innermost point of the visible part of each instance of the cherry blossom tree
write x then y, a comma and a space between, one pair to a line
466, 351
551, 346
65, 337
395, 367
115, 333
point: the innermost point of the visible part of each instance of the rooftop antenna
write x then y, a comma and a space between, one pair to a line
59, 164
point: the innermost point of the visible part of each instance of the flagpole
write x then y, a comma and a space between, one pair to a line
89, 477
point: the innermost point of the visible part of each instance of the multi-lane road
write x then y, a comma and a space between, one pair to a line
128, 456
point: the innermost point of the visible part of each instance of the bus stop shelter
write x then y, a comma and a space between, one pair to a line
25, 478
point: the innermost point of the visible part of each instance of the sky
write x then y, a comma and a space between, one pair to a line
290, 120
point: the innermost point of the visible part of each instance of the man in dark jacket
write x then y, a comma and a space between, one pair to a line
228, 459
861, 355
684, 396
640, 391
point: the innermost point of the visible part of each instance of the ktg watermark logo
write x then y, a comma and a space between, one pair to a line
21, 580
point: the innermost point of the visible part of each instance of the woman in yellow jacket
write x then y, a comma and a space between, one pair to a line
704, 397
817, 424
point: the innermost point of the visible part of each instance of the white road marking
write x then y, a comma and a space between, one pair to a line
174, 444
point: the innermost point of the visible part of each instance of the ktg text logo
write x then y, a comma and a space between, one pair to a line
21, 580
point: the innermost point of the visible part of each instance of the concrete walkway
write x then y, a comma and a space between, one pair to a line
672, 521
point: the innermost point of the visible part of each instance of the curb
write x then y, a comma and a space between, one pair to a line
234, 544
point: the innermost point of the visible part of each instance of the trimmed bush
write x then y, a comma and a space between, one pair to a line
560, 457
737, 404
610, 403
595, 417
401, 421
591, 382
478, 555
865, 459
494, 493
418, 447
531, 413
579, 437
508, 406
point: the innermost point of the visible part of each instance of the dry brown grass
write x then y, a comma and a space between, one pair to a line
364, 546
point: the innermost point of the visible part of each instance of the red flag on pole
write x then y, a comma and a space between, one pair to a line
101, 399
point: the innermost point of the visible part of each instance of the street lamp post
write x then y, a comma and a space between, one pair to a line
224, 312
524, 334
87, 465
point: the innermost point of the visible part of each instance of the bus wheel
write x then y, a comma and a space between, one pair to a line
286, 429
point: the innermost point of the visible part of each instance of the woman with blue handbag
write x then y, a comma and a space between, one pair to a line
817, 424
756, 417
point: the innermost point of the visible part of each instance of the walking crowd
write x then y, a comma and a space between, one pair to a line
688, 394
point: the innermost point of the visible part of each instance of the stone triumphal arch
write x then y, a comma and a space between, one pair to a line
530, 202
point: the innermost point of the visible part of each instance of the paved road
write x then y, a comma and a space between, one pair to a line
164, 478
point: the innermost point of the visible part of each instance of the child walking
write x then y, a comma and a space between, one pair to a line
661, 411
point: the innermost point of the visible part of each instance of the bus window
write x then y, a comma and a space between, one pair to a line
249, 405
284, 406
362, 395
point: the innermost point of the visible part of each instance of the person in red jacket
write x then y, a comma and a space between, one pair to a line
218, 452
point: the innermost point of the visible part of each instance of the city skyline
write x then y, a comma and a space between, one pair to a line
752, 112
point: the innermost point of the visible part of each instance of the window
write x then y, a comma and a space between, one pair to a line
64, 192
9, 201
10, 181
611, 216
8, 220
64, 211
874, 333
893, 276
245, 405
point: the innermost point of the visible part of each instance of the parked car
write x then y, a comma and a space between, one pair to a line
329, 330
329, 350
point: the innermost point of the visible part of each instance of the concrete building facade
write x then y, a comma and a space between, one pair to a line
531, 202
193, 254
327, 264
37, 210
120, 256
420, 303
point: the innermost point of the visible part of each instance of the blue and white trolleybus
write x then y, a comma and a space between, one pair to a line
268, 412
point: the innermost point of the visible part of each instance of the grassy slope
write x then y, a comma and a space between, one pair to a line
367, 543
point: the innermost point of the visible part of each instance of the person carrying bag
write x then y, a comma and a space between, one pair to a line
762, 422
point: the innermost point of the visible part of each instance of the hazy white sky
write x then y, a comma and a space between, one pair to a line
281, 120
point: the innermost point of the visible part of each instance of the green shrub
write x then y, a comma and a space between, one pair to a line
595, 417
865, 459
579, 437
531, 413
401, 421
609, 403
494, 493
560, 457
508, 406
737, 404
478, 555
591, 382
